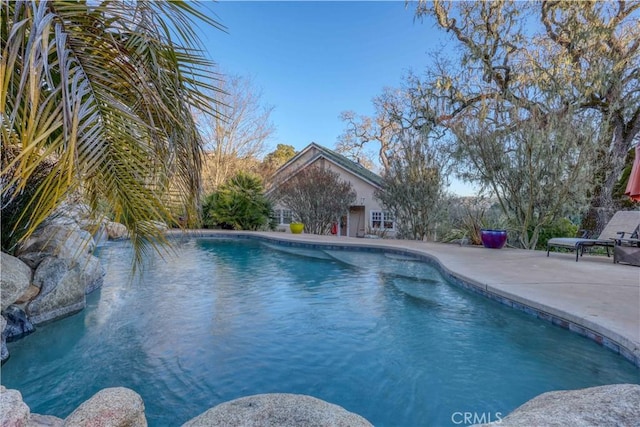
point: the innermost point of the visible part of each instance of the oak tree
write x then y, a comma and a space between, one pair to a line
546, 58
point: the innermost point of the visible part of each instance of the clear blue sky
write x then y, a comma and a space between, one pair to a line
314, 60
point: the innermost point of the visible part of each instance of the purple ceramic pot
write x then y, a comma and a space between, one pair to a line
493, 239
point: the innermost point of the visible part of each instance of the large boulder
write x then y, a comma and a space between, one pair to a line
116, 231
37, 420
91, 274
110, 407
66, 240
609, 405
277, 409
14, 280
18, 324
13, 411
50, 273
62, 291
33, 259
28, 295
74, 212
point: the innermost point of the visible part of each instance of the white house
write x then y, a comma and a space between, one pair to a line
366, 215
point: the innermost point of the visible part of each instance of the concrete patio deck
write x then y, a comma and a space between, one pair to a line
592, 297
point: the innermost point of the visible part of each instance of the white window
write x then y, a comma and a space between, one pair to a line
382, 220
376, 219
286, 216
388, 221
282, 216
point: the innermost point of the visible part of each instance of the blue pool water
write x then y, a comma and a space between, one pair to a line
381, 335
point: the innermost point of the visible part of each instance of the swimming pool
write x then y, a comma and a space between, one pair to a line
382, 335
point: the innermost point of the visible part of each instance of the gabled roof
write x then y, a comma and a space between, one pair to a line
338, 159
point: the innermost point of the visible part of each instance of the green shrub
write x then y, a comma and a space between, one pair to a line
560, 228
208, 206
239, 204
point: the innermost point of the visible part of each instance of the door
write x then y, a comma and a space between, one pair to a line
357, 223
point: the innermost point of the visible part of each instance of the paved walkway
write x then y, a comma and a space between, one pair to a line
593, 297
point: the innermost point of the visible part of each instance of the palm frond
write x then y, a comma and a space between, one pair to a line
104, 91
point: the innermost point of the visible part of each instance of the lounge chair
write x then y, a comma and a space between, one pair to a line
621, 224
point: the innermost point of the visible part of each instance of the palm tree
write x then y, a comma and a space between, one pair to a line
103, 91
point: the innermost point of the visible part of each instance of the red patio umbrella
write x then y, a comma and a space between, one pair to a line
633, 186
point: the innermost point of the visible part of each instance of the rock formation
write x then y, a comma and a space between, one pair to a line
122, 407
609, 405
14, 281
278, 410
116, 230
62, 292
18, 325
110, 407
51, 273
13, 411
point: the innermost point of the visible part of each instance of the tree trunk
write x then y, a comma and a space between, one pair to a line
603, 203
